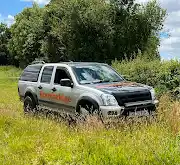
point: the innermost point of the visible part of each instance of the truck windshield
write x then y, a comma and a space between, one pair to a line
91, 74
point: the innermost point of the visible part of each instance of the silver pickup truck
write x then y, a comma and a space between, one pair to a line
83, 88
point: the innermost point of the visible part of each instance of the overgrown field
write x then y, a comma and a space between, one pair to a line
37, 140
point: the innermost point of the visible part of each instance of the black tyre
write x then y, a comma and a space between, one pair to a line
29, 105
86, 109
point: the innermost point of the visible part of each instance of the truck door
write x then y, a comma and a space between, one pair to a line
63, 98
45, 86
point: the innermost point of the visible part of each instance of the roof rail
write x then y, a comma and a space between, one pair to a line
65, 61
38, 62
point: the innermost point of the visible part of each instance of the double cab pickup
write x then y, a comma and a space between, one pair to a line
83, 88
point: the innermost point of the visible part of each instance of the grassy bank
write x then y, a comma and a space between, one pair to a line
32, 140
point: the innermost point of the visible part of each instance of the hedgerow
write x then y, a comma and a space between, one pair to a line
164, 76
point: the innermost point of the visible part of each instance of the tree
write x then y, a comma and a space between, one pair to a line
136, 28
27, 33
4, 38
78, 30
155, 16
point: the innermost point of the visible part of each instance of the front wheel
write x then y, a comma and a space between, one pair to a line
89, 110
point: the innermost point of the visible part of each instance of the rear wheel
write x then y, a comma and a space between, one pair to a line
29, 105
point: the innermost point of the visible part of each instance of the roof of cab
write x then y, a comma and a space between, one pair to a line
71, 63
81, 63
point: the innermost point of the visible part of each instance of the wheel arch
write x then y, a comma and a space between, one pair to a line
32, 95
86, 99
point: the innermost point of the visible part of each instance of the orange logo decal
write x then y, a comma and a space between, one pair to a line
58, 97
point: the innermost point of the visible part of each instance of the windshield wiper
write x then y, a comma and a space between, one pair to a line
101, 81
115, 81
86, 83
98, 81
104, 81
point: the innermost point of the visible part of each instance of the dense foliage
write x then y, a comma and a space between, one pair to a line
4, 38
91, 30
163, 75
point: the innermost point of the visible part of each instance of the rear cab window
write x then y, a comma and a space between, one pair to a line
31, 73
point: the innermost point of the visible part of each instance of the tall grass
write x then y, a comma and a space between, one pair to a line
39, 140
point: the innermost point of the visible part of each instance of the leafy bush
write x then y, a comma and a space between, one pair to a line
163, 75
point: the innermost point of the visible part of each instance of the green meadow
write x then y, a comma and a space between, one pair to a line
39, 140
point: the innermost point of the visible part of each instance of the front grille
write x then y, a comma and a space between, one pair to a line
150, 108
136, 96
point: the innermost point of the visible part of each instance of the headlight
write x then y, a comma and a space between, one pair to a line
153, 94
109, 100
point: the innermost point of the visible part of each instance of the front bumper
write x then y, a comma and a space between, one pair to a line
118, 111
111, 111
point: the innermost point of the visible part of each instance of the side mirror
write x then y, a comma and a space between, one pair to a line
66, 83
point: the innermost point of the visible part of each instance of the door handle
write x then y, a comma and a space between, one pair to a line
54, 89
40, 87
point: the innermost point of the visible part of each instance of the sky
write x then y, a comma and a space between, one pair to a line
9, 8
170, 36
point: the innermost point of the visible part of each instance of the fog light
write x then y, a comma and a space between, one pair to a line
112, 113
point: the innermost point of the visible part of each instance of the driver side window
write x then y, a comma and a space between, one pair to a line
61, 73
